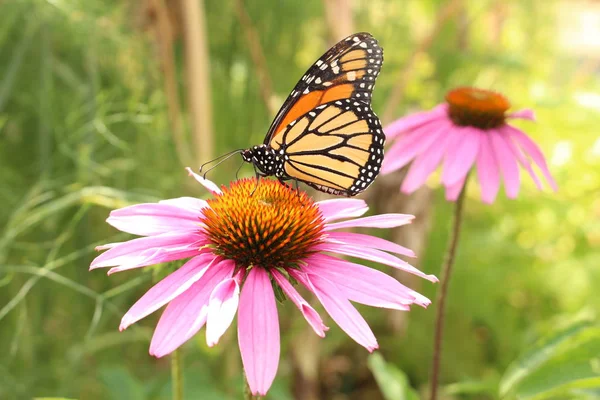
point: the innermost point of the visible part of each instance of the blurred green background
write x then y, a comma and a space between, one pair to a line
102, 104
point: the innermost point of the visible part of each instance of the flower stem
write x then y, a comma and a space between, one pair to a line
443, 292
176, 375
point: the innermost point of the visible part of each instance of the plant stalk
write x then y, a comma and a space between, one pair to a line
176, 375
443, 292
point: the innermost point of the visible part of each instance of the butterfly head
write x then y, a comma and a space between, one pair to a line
247, 155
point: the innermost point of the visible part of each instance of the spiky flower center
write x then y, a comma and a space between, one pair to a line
477, 107
264, 224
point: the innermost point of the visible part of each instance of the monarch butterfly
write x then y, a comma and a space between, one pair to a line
326, 134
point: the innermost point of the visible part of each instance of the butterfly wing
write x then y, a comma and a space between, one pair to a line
346, 71
336, 147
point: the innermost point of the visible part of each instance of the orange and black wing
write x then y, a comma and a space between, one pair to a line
336, 147
346, 71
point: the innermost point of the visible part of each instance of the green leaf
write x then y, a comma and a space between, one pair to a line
392, 381
120, 384
563, 362
488, 387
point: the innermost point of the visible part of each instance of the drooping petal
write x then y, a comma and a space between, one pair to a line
460, 158
209, 185
534, 152
258, 331
167, 289
312, 317
186, 314
374, 255
507, 163
364, 285
409, 146
359, 239
333, 209
187, 203
222, 307
375, 221
340, 309
150, 250
428, 160
414, 121
153, 219
521, 158
526, 113
453, 191
487, 169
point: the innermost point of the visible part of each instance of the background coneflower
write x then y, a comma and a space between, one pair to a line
470, 129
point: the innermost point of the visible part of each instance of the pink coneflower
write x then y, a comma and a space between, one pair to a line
470, 128
245, 244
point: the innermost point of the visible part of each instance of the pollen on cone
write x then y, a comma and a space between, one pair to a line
264, 223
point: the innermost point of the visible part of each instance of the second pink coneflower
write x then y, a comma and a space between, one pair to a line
470, 129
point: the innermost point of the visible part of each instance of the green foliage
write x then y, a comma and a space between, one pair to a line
564, 363
392, 381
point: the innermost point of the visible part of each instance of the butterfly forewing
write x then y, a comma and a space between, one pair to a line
346, 71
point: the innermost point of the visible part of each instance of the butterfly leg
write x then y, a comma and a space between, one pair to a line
257, 180
297, 187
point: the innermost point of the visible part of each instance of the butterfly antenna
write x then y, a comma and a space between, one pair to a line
223, 156
220, 159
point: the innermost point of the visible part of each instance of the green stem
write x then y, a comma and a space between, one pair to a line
443, 292
176, 375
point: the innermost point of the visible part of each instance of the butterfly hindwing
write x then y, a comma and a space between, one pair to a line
336, 147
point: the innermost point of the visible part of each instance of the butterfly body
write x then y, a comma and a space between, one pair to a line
326, 135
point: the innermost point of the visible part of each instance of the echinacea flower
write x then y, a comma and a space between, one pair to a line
245, 244
469, 129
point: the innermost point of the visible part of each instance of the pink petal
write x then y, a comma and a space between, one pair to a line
167, 289
222, 307
534, 152
312, 317
153, 219
429, 159
258, 331
375, 221
359, 239
460, 157
187, 203
210, 186
374, 255
523, 160
340, 309
487, 169
364, 285
186, 314
414, 121
523, 114
453, 191
342, 208
151, 250
507, 163
409, 146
